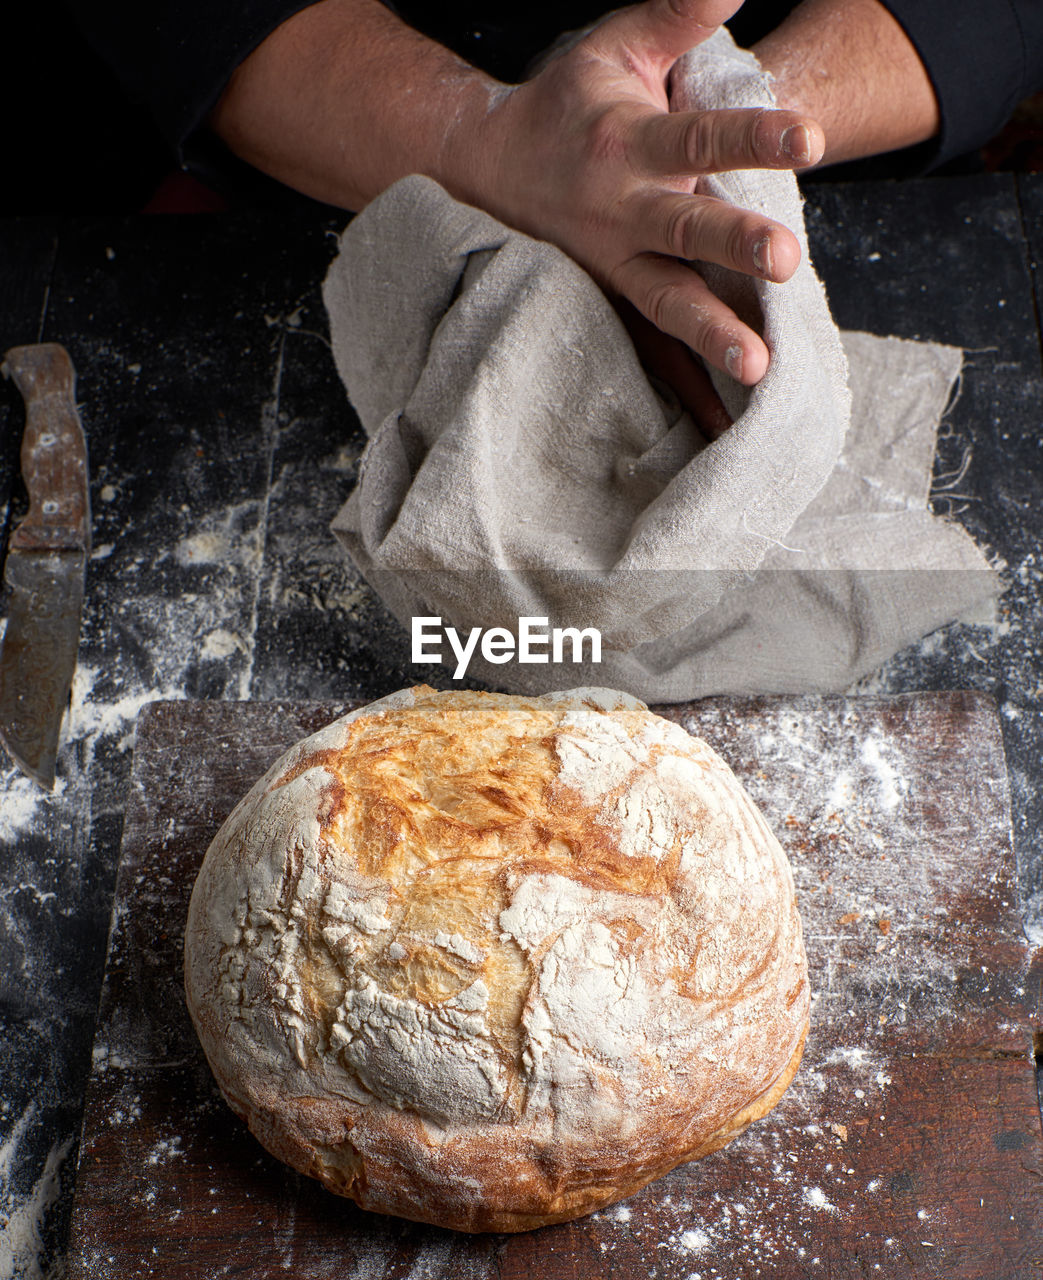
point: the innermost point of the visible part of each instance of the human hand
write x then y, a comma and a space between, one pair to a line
673, 363
589, 156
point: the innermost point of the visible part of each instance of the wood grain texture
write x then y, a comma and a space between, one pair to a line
909, 1144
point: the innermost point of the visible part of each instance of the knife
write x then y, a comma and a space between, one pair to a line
46, 561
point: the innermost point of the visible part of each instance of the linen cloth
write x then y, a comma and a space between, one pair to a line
520, 462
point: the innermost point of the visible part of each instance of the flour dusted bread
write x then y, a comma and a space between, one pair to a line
494, 962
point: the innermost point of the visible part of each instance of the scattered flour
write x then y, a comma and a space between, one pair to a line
374, 1264
891, 786
165, 1149
854, 1057
231, 540
435, 1258
22, 1217
20, 803
10, 1146
1034, 920
842, 792
816, 1198
220, 644
92, 717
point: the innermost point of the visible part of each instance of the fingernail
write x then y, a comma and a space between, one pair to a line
762, 256
796, 143
733, 362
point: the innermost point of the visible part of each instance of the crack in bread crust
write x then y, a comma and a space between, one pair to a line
492, 961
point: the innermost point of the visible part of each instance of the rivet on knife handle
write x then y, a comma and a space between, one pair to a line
46, 561
54, 452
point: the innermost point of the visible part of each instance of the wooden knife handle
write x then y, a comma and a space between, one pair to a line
54, 451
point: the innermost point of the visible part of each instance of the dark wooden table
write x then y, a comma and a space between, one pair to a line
221, 446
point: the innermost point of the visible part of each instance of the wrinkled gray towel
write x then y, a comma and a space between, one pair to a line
521, 464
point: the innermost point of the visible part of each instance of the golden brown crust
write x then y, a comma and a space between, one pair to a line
495, 962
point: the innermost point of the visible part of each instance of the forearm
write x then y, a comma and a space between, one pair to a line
849, 65
345, 98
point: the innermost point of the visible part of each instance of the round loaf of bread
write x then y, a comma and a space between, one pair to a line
493, 962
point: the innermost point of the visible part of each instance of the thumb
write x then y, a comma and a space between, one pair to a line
662, 30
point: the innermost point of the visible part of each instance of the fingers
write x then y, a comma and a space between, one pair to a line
671, 144
680, 370
663, 30
679, 302
701, 227
671, 361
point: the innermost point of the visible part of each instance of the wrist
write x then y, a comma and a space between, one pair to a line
467, 160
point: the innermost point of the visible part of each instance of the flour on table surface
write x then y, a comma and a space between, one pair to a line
881, 900
230, 541
891, 786
165, 1150
20, 802
304, 572
51, 843
996, 656
22, 1215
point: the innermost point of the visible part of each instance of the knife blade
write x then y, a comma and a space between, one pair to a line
46, 561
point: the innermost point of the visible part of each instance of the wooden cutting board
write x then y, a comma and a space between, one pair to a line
909, 1145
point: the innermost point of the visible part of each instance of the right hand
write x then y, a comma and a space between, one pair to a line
589, 156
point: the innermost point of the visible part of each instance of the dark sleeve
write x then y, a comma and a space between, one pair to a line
174, 57
983, 57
